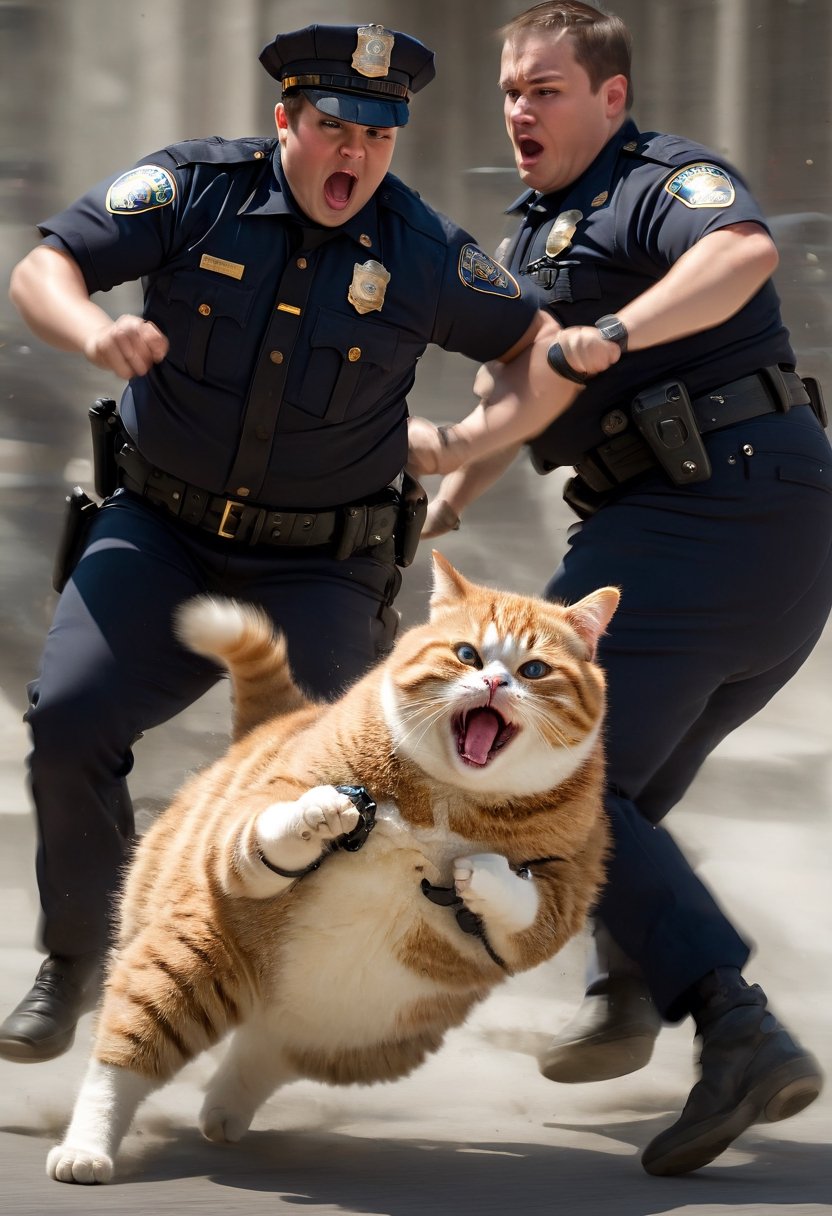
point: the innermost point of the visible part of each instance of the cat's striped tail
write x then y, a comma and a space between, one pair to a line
242, 638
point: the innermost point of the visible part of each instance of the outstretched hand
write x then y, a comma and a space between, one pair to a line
440, 519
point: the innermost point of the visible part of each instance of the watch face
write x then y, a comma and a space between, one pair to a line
613, 330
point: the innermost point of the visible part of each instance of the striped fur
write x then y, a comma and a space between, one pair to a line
479, 738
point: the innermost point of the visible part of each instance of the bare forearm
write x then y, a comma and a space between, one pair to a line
48, 290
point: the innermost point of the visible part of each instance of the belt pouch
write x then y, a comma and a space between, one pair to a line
80, 512
103, 425
664, 416
413, 509
815, 391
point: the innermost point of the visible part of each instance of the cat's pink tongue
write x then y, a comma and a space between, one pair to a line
481, 729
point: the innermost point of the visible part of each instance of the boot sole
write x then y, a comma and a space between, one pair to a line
789, 1090
26, 1052
597, 1059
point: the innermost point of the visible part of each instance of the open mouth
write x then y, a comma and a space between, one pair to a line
338, 189
529, 149
480, 734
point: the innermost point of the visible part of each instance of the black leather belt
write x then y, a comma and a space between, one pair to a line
768, 391
346, 529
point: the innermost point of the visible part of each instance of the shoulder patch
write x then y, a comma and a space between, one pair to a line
701, 185
141, 189
482, 273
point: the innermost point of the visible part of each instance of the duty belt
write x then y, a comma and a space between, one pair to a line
346, 529
626, 455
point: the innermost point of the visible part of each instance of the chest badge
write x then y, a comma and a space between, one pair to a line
369, 283
371, 56
562, 231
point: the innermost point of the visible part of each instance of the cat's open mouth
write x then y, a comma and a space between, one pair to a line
480, 734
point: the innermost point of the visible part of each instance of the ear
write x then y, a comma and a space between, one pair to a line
448, 584
616, 95
280, 119
591, 615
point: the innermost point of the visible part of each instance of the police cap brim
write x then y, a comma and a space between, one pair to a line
364, 110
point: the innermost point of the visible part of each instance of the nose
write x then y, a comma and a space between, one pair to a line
519, 113
351, 145
493, 683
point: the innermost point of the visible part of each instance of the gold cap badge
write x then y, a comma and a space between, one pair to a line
562, 231
371, 56
369, 283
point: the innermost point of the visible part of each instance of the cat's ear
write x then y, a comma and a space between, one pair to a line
449, 587
591, 615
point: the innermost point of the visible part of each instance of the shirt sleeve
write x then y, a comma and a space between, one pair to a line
123, 227
682, 204
483, 309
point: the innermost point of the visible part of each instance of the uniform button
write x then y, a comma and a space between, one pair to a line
301, 263
259, 155
242, 491
204, 310
354, 353
276, 356
747, 449
365, 240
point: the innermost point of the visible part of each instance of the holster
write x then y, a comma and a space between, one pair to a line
104, 424
413, 509
80, 512
814, 389
583, 500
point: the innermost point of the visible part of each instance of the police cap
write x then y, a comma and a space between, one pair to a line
362, 74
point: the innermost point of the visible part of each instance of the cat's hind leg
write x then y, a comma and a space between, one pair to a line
103, 1112
252, 1070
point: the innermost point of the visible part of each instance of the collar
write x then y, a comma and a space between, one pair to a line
272, 196
594, 183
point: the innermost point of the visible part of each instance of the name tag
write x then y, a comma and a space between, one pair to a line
233, 269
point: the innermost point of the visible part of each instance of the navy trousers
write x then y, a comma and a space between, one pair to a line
112, 668
726, 587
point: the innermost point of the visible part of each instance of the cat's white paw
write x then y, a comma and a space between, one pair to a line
293, 834
68, 1164
224, 1126
494, 892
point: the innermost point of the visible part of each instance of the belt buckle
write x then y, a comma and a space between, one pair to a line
228, 514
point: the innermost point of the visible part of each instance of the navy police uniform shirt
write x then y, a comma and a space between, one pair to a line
292, 346
612, 234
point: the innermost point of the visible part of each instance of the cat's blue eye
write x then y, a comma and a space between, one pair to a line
468, 655
535, 669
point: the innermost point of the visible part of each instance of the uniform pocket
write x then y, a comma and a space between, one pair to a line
802, 470
208, 317
346, 355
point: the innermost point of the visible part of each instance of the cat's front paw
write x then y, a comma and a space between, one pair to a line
293, 834
494, 892
224, 1126
68, 1164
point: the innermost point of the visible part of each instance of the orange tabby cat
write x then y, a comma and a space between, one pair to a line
479, 739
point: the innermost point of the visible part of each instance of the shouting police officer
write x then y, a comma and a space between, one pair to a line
704, 478
291, 285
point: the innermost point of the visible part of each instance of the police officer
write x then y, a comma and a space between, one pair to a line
291, 284
704, 479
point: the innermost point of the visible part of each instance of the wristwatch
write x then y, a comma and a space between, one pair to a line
613, 329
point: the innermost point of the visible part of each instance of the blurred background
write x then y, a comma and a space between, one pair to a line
93, 86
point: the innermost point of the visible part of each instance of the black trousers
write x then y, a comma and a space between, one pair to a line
726, 587
112, 668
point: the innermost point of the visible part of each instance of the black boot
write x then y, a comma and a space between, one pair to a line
43, 1024
752, 1071
612, 1033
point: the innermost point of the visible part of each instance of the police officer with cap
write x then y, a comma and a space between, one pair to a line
290, 286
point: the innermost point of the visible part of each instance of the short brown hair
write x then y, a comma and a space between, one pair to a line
602, 42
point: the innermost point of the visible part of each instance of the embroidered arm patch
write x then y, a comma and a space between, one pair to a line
702, 185
482, 273
141, 189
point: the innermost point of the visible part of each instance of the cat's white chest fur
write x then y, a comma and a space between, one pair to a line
339, 974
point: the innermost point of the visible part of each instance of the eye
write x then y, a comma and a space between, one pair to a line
378, 133
331, 123
535, 669
512, 94
468, 655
